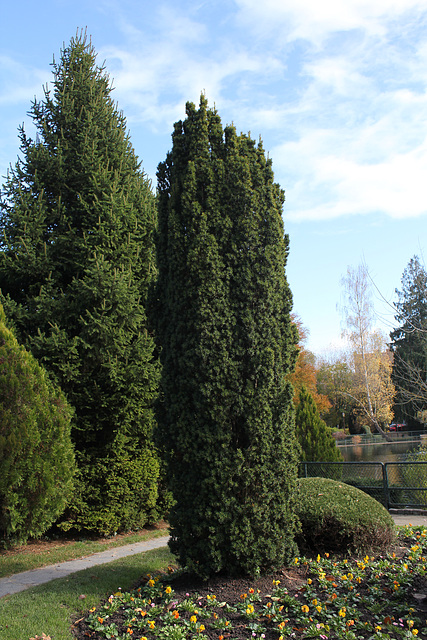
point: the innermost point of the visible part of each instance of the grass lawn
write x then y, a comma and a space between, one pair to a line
41, 553
48, 608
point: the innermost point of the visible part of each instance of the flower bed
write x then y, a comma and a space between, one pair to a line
322, 597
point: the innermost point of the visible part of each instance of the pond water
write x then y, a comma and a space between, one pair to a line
378, 451
396, 476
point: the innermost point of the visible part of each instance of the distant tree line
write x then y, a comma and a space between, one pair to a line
377, 379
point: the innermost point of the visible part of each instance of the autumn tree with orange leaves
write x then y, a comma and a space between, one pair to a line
305, 373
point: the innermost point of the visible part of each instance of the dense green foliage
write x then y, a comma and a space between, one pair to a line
314, 436
36, 454
409, 347
222, 314
338, 518
77, 218
116, 492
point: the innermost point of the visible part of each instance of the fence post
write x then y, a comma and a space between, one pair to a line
385, 486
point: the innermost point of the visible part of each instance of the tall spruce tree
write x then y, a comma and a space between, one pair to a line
76, 261
409, 346
222, 314
314, 436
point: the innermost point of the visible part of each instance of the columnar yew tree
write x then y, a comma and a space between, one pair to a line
77, 218
222, 312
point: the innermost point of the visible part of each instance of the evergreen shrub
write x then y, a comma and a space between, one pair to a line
314, 436
123, 494
338, 518
36, 455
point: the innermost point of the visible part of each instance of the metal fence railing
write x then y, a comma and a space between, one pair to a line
396, 485
377, 438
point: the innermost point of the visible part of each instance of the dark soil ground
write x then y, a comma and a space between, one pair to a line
226, 590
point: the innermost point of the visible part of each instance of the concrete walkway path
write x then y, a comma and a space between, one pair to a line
416, 520
26, 579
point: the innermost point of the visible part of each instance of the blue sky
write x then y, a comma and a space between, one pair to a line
337, 91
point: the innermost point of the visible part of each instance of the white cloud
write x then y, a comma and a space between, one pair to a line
19, 85
356, 137
369, 168
344, 119
19, 82
315, 21
156, 75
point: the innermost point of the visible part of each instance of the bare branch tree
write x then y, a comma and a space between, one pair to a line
373, 390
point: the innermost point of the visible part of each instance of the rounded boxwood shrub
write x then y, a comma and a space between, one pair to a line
336, 517
36, 455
